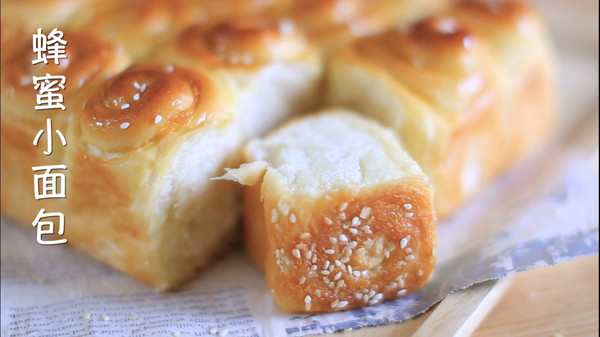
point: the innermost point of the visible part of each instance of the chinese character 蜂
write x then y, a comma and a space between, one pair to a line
49, 185
49, 47
40, 223
47, 87
49, 142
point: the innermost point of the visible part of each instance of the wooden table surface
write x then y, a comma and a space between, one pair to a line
555, 301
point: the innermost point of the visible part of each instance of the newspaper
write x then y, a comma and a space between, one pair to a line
542, 212
529, 218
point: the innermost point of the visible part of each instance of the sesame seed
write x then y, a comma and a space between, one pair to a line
333, 239
371, 293
302, 280
307, 299
355, 221
105, 318
331, 285
343, 206
293, 218
284, 209
408, 250
352, 244
337, 276
143, 87
136, 96
345, 259
401, 292
158, 119
420, 272
314, 259
296, 253
136, 85
335, 303
305, 235
328, 220
329, 251
124, 125
365, 298
343, 238
342, 304
365, 212
286, 26
325, 272
327, 263
408, 206
341, 283
378, 296
338, 263
386, 253
343, 216
274, 215
349, 267
86, 316
356, 273
410, 215
125, 106
410, 257
353, 231
313, 267
373, 302
308, 254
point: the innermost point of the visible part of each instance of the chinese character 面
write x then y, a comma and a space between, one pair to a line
49, 185
49, 47
39, 222
47, 87
49, 142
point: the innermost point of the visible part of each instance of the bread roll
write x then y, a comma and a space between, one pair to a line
141, 155
332, 23
271, 67
138, 26
89, 62
337, 215
452, 89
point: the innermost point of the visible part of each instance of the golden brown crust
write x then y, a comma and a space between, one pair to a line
335, 22
145, 103
124, 22
243, 43
361, 248
456, 86
345, 247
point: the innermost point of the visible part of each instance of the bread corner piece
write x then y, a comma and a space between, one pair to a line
337, 214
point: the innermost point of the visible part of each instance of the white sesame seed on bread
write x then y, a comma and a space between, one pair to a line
326, 213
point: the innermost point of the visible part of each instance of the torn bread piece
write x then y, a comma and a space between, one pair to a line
337, 215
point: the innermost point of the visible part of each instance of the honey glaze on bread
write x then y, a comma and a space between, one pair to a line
269, 64
338, 216
90, 62
454, 92
142, 153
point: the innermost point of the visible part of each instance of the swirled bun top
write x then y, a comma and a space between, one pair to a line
145, 103
439, 59
243, 42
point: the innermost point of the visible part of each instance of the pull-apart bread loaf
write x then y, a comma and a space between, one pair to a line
337, 215
91, 62
161, 96
148, 123
467, 92
273, 70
